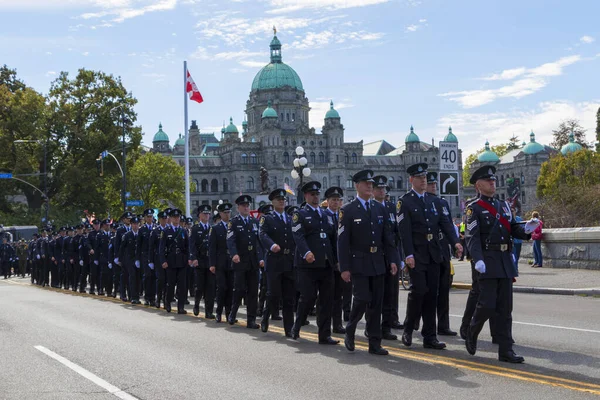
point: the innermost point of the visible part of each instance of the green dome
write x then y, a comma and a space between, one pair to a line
332, 113
244, 123
231, 128
571, 147
276, 74
488, 156
160, 136
450, 137
269, 112
412, 137
180, 141
532, 147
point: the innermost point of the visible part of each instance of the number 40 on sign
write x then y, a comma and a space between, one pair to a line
448, 156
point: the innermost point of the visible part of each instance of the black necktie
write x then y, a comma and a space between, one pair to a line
335, 218
367, 206
282, 219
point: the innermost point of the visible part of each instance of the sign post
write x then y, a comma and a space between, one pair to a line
449, 179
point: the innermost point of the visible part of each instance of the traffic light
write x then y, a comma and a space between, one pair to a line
100, 166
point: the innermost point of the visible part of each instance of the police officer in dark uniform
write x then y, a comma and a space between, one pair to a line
443, 303
204, 278
129, 256
315, 262
265, 209
154, 259
365, 242
149, 276
220, 261
247, 258
101, 253
421, 217
6, 255
59, 256
44, 258
490, 226
278, 242
173, 253
76, 261
121, 274
91, 261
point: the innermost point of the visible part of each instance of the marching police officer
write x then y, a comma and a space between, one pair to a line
277, 240
246, 256
220, 261
121, 274
265, 209
365, 241
315, 261
76, 261
204, 278
173, 253
421, 217
149, 275
490, 226
129, 256
101, 252
154, 259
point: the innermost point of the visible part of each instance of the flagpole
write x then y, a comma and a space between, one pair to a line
187, 143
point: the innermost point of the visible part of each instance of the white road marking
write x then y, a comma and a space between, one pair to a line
545, 326
87, 374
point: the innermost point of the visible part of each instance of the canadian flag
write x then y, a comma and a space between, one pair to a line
192, 89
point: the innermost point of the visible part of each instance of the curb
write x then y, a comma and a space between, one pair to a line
540, 290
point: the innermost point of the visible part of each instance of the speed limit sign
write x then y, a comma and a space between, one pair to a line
448, 156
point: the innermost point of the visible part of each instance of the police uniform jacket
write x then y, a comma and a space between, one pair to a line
420, 223
489, 240
334, 218
446, 255
365, 238
174, 247
111, 248
122, 230
154, 244
6, 252
60, 253
74, 247
84, 252
102, 246
391, 213
91, 243
273, 230
199, 244
143, 239
129, 252
242, 240
218, 253
313, 232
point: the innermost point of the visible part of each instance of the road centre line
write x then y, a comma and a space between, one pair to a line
87, 374
545, 326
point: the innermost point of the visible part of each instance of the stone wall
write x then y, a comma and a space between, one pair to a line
568, 248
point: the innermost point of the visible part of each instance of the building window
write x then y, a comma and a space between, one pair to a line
502, 196
339, 181
252, 158
321, 158
523, 197
399, 183
282, 117
501, 180
312, 158
347, 158
197, 185
204, 185
456, 201
425, 159
304, 143
286, 158
354, 158
391, 182
274, 158
225, 185
274, 181
250, 183
320, 143
214, 185
293, 117
312, 142
349, 183
293, 143
244, 158
522, 179
337, 158
324, 182
285, 142
288, 117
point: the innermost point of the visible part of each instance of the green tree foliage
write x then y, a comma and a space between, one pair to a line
561, 134
500, 150
598, 130
513, 143
156, 179
569, 190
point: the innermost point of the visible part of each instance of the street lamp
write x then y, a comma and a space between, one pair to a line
124, 191
45, 144
300, 170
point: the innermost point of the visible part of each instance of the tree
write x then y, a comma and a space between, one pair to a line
598, 130
561, 135
156, 179
513, 143
500, 150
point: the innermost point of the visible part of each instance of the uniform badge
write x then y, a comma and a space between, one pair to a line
295, 218
229, 225
262, 221
398, 205
469, 212
341, 216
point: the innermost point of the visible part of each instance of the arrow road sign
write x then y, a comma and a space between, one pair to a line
135, 203
449, 181
6, 175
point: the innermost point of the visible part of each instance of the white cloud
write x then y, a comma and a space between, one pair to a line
318, 109
531, 80
237, 70
587, 39
252, 64
121, 10
48, 53
412, 28
153, 75
85, 53
473, 129
50, 73
284, 6
316, 40
415, 27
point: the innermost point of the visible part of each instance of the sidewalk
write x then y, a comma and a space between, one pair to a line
540, 280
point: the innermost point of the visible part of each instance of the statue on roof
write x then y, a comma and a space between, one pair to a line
264, 180
274, 30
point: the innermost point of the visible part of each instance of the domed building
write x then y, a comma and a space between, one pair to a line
571, 147
276, 122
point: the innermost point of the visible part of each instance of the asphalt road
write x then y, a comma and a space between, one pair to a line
108, 349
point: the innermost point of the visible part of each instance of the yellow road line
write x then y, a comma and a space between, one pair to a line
517, 374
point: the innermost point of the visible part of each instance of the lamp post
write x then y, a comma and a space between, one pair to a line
300, 171
45, 144
124, 172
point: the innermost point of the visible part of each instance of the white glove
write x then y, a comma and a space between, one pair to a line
514, 258
137, 264
402, 265
151, 265
109, 265
480, 267
531, 225
81, 262
116, 260
38, 256
96, 262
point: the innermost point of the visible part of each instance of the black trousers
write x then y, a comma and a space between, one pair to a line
54, 279
76, 274
309, 282
224, 289
422, 299
85, 271
262, 292
177, 276
391, 287
116, 270
135, 276
106, 275
161, 282
149, 282
341, 291
190, 279
495, 301
443, 301
205, 282
367, 300
245, 286
45, 277
280, 286
5, 269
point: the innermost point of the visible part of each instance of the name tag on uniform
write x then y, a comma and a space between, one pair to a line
323, 235
358, 220
485, 212
307, 217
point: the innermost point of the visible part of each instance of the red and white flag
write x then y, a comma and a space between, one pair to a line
192, 89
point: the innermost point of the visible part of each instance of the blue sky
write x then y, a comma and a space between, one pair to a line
489, 69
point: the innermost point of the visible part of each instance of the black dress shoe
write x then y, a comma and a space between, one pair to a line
157, 304
152, 304
288, 334
209, 316
230, 320
463, 332
252, 325
168, 306
349, 341
196, 310
295, 334
99, 293
471, 343
417, 326
329, 340
276, 317
378, 351
339, 329
114, 295
446, 332
182, 311
389, 336
92, 293
406, 339
397, 325
218, 318
187, 302
434, 344
495, 341
264, 325
307, 322
511, 357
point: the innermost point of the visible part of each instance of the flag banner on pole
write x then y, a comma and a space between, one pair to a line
288, 189
192, 89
